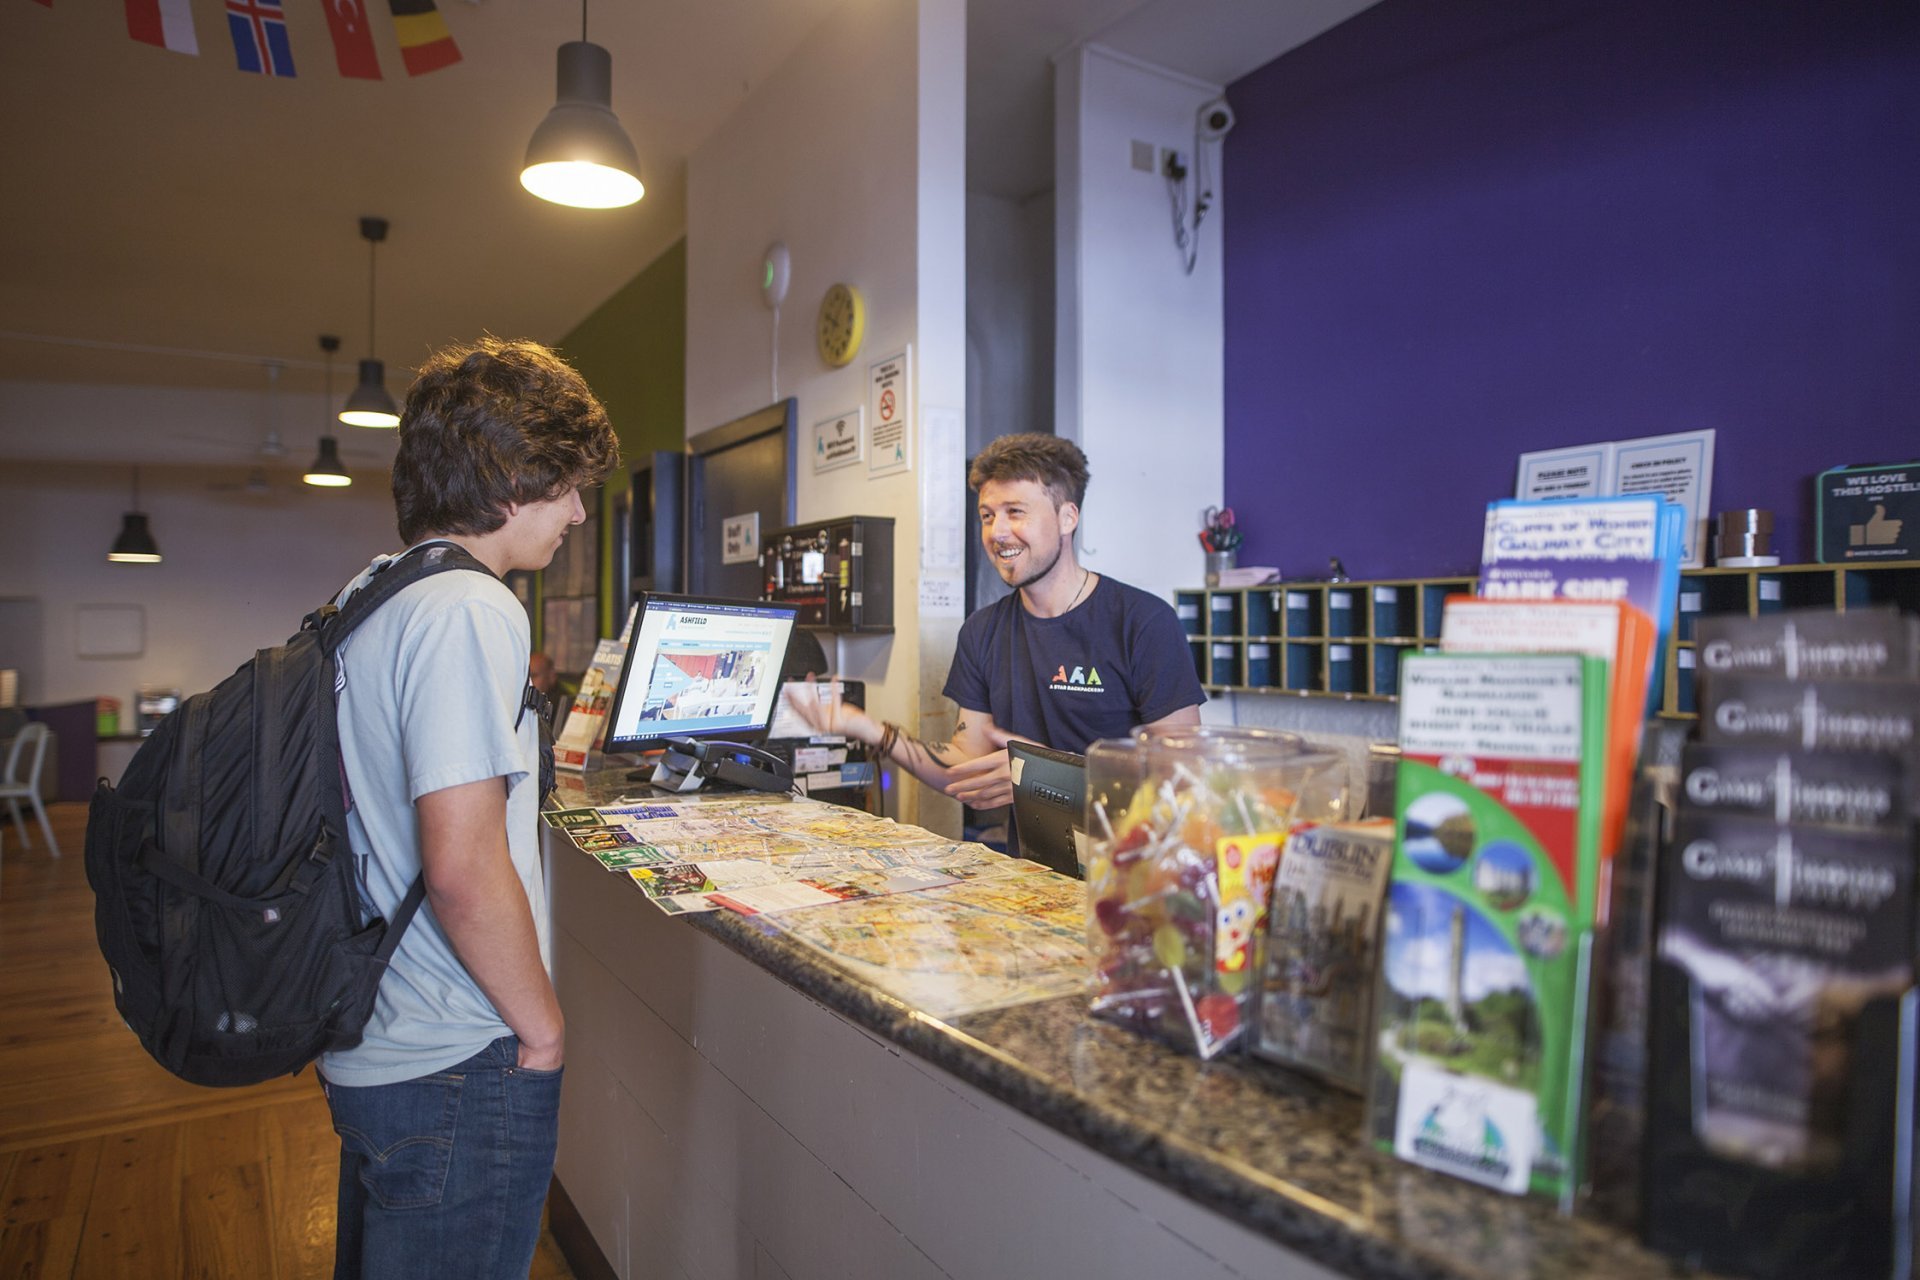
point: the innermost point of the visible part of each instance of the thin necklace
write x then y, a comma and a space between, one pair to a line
1085, 574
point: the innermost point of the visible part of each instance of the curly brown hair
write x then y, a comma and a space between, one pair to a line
492, 424
1055, 464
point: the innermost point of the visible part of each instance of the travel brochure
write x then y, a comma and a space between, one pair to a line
586, 724
1782, 980
1490, 917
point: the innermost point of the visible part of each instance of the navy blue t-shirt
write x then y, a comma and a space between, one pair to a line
1115, 661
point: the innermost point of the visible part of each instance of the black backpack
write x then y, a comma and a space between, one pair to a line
224, 894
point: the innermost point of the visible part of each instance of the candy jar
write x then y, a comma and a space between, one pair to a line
1184, 832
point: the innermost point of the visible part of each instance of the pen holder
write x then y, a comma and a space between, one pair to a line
1218, 562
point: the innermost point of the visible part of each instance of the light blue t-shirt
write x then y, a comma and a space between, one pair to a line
430, 688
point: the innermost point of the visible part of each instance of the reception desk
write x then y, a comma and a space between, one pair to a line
735, 1107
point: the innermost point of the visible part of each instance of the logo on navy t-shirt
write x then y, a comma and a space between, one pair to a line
1082, 680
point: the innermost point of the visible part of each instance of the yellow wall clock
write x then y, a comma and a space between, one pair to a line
843, 323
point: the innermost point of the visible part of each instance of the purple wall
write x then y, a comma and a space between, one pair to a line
1456, 232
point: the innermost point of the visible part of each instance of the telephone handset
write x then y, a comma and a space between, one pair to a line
688, 762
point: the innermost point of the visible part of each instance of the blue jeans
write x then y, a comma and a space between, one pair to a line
445, 1175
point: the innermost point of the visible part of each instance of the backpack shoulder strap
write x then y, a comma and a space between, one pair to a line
389, 580
397, 927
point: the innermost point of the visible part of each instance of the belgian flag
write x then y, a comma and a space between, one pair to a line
425, 43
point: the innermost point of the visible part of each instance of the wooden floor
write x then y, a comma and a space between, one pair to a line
109, 1166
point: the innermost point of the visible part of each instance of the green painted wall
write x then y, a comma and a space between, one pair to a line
632, 351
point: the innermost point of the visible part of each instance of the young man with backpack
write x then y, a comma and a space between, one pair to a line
448, 1108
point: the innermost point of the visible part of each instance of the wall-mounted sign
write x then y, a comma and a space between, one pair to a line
889, 409
1679, 467
740, 539
1579, 472
839, 441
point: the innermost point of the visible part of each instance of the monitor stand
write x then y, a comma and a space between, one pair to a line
687, 763
674, 781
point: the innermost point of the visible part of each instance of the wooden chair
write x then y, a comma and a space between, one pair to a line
19, 783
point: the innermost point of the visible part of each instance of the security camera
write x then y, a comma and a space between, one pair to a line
1215, 120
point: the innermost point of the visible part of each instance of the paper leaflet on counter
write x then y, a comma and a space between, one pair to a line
586, 725
1613, 631
1589, 549
1314, 1000
1490, 918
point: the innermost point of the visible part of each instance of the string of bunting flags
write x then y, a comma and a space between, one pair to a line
261, 46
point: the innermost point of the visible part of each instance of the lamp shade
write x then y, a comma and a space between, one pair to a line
327, 471
580, 155
135, 545
370, 405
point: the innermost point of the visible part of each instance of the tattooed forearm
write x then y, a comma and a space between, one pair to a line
935, 751
917, 754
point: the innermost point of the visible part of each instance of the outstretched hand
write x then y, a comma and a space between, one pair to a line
986, 782
820, 706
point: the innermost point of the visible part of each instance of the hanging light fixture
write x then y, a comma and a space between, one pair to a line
135, 545
327, 471
580, 155
370, 405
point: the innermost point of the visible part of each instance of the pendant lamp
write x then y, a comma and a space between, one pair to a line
370, 405
580, 155
327, 471
135, 545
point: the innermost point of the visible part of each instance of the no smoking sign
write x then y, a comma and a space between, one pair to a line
890, 409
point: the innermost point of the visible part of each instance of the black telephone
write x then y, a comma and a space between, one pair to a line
688, 762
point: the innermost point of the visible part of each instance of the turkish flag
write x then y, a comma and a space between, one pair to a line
352, 39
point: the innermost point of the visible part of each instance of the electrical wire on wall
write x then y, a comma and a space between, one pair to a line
776, 355
1210, 126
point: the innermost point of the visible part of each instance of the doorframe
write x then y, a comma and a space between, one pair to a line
779, 418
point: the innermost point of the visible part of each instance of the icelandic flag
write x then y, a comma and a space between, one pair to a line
165, 23
259, 29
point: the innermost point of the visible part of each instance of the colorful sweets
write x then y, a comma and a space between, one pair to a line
1185, 835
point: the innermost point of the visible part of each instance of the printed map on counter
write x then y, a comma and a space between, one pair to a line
999, 939
948, 927
739, 854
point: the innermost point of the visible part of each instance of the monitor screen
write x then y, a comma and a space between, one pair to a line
1049, 805
699, 668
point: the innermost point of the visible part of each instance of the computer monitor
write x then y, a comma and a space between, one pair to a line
699, 668
1049, 805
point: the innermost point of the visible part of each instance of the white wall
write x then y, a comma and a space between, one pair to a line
853, 154
1138, 380
239, 571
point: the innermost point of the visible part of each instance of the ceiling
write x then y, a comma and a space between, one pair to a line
157, 204
162, 200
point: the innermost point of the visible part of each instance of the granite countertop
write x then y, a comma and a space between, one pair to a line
1266, 1147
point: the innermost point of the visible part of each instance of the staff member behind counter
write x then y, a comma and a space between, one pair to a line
1071, 656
